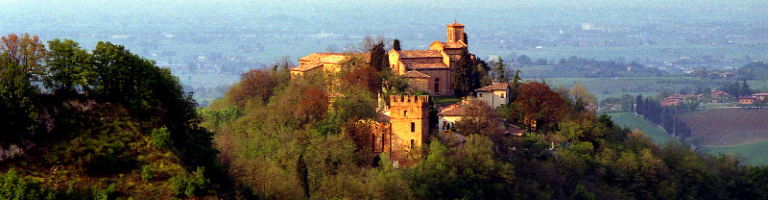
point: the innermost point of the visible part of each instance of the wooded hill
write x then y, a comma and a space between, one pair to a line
107, 124
100, 124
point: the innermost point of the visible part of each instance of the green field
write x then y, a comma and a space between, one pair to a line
749, 154
629, 119
647, 86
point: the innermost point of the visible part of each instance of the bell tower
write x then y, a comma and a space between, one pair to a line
456, 32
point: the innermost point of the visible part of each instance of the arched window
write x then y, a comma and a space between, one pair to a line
405, 113
413, 126
437, 85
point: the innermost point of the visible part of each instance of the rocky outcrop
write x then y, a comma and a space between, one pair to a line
12, 152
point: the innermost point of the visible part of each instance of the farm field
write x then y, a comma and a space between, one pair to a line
749, 154
728, 127
646, 86
632, 120
753, 154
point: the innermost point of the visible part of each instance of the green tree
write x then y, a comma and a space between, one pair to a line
500, 72
379, 59
465, 78
69, 65
19, 59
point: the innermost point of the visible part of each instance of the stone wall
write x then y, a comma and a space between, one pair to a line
409, 118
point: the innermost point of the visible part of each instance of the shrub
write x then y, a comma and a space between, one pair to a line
147, 173
191, 186
161, 138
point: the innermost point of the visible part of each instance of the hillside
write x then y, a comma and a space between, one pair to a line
101, 124
107, 124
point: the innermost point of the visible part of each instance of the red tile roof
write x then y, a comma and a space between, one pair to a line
493, 87
456, 109
419, 53
454, 24
427, 66
415, 74
307, 67
454, 45
316, 57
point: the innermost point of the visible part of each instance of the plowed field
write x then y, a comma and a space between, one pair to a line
728, 127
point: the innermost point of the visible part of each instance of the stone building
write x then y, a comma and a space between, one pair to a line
434, 66
428, 70
403, 130
327, 62
494, 95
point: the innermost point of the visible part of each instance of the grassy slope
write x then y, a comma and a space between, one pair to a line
751, 154
658, 135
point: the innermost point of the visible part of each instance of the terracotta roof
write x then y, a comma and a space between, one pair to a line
454, 24
749, 97
307, 67
493, 87
671, 101
458, 44
456, 109
319, 57
419, 53
415, 74
760, 94
427, 65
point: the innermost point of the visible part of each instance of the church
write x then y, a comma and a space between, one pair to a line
427, 70
430, 70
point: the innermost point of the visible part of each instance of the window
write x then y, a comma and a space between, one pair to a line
413, 126
405, 113
502, 95
413, 144
480, 94
437, 85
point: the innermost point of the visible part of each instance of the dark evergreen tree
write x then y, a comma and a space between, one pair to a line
465, 76
379, 59
396, 45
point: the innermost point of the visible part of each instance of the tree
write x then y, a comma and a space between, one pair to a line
500, 72
582, 95
540, 106
21, 60
18, 100
69, 65
256, 85
396, 45
25, 52
480, 118
524, 60
465, 78
379, 59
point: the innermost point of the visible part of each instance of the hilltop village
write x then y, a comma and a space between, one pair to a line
404, 123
